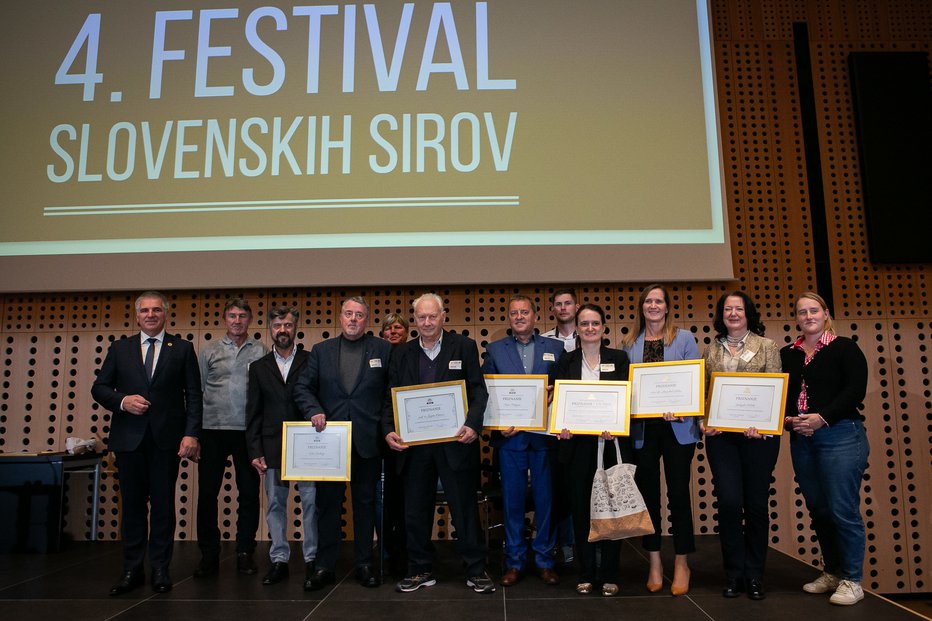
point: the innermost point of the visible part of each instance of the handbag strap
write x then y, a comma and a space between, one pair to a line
600, 460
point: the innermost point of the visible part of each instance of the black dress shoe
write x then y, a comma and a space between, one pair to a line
278, 573
245, 564
207, 567
127, 582
367, 577
161, 581
319, 579
756, 589
733, 587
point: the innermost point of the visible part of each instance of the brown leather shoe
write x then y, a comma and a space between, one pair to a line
511, 577
549, 577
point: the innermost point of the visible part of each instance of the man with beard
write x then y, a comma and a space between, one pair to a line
224, 375
345, 380
563, 305
270, 403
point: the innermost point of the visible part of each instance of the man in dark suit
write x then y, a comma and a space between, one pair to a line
152, 386
520, 451
440, 356
346, 379
269, 403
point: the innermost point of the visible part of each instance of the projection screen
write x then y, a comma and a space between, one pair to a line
240, 144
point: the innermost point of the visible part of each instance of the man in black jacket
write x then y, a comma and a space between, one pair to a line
151, 384
440, 356
345, 380
269, 403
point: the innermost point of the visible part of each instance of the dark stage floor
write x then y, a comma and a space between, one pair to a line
73, 585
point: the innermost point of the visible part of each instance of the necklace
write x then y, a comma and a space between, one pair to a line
736, 342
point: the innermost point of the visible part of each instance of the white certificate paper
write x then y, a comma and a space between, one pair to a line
665, 390
311, 456
430, 413
586, 407
748, 404
517, 401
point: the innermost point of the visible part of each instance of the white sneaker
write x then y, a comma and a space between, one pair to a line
847, 593
825, 583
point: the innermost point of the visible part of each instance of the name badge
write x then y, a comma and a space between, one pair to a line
375, 363
548, 357
607, 367
746, 356
456, 365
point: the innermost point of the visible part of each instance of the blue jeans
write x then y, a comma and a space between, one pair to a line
514, 472
829, 466
276, 515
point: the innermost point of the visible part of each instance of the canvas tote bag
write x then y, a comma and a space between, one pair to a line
617, 509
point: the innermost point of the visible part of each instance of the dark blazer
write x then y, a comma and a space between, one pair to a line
174, 393
502, 357
569, 367
269, 403
836, 380
405, 371
319, 389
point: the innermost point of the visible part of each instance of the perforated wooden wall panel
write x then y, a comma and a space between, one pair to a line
52, 344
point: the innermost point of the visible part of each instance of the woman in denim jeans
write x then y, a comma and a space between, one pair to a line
828, 381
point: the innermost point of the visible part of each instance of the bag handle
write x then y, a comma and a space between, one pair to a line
600, 460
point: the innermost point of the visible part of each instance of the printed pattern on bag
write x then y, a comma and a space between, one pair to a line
616, 507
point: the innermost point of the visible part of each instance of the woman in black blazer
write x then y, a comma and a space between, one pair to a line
591, 360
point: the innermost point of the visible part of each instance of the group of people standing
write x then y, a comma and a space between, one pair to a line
167, 406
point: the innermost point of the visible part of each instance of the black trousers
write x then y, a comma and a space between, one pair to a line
424, 464
579, 472
331, 495
147, 480
216, 446
660, 443
393, 509
741, 473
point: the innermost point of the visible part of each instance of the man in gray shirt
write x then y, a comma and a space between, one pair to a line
225, 376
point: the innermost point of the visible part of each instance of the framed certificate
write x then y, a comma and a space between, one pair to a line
659, 387
589, 408
518, 401
311, 456
427, 413
738, 401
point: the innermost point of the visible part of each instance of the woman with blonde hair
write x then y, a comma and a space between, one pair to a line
828, 381
671, 439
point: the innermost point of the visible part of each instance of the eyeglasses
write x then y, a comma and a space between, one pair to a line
352, 314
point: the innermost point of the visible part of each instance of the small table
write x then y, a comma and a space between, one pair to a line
32, 498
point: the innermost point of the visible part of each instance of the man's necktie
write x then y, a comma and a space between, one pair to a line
150, 357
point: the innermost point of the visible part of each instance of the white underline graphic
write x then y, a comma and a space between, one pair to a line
285, 205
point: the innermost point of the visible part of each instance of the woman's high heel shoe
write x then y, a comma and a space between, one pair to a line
680, 584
